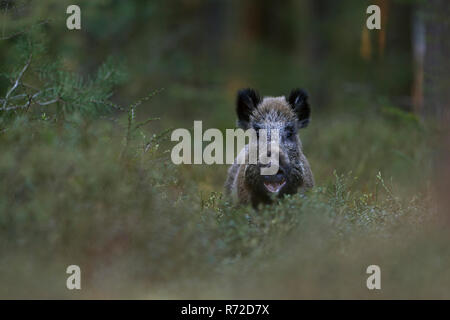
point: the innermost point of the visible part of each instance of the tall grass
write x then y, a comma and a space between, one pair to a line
82, 185
104, 195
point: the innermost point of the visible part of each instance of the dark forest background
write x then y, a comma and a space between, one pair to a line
85, 170
216, 47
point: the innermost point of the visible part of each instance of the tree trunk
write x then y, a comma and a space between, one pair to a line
436, 103
437, 64
418, 47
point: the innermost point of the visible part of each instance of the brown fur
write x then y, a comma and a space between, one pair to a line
244, 182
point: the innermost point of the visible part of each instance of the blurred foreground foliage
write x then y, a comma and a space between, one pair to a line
41, 86
83, 181
108, 198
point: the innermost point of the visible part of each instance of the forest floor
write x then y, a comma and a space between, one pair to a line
140, 227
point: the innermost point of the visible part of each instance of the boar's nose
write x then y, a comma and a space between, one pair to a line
279, 164
278, 177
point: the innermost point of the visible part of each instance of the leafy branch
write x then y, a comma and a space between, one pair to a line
132, 115
16, 83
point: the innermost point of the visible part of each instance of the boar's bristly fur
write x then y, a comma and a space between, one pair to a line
287, 115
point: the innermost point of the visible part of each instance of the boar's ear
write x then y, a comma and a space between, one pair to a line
247, 101
298, 100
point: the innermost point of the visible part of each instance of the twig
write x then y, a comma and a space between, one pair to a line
13, 108
143, 123
4, 20
29, 101
19, 96
23, 31
48, 102
16, 84
116, 106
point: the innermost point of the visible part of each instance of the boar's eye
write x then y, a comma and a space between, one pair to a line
290, 132
257, 127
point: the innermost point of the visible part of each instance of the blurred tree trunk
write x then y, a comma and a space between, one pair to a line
436, 62
384, 7
366, 43
270, 22
418, 48
319, 46
214, 31
436, 102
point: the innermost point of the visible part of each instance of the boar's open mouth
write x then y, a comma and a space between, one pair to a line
275, 186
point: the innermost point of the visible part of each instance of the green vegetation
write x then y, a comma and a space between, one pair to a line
86, 176
105, 195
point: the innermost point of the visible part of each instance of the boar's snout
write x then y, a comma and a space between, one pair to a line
274, 183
